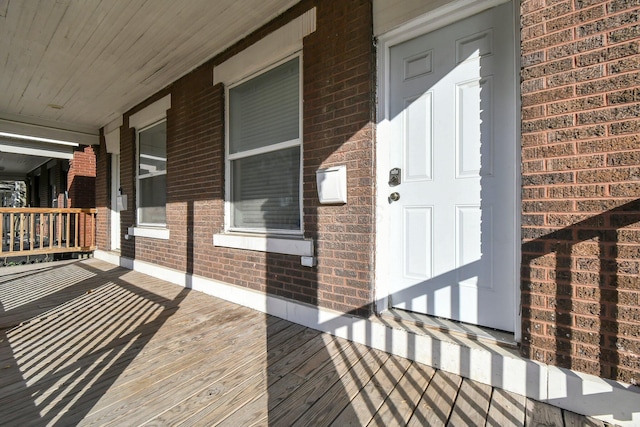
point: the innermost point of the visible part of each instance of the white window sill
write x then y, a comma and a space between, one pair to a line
261, 243
154, 233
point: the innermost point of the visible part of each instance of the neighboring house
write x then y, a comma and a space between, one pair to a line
469, 160
45, 180
12, 194
64, 183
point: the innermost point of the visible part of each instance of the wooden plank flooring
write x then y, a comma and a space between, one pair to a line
88, 343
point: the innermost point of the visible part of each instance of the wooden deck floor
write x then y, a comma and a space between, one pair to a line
88, 343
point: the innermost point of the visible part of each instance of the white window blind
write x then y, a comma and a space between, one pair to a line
264, 150
152, 174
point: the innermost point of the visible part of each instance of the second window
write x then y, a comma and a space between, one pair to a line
264, 151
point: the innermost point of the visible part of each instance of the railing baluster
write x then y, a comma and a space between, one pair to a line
32, 230
40, 236
67, 224
21, 233
50, 234
12, 227
76, 223
93, 229
59, 229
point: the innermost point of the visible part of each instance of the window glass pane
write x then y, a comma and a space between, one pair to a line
153, 149
265, 110
153, 200
266, 190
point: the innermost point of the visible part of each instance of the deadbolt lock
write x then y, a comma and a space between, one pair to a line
394, 177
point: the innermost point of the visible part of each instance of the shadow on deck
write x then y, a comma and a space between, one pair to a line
86, 342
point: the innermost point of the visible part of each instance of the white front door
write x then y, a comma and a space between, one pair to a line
115, 211
452, 118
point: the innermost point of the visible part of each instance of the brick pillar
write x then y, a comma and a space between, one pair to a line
103, 195
81, 184
81, 178
581, 185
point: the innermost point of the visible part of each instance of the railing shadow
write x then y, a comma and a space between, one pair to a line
584, 266
599, 297
59, 362
36, 289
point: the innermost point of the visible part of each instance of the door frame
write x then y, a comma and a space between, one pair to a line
115, 237
452, 12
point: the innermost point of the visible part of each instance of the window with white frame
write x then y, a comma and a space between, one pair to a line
264, 151
152, 174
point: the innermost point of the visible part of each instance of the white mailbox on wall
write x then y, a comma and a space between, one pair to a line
332, 185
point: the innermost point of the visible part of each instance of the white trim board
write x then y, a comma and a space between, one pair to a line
261, 243
30, 127
112, 135
406, 19
281, 43
112, 141
607, 400
113, 125
151, 113
35, 148
151, 232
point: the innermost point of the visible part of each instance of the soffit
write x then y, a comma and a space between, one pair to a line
81, 64
15, 166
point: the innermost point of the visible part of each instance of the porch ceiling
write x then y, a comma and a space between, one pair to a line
14, 166
71, 65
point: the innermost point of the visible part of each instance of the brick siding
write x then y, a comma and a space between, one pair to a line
338, 126
81, 178
581, 185
103, 195
338, 76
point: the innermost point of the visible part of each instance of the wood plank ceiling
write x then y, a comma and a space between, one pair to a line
82, 63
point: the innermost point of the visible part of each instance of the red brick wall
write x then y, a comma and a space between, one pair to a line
103, 195
581, 185
127, 183
338, 65
81, 178
338, 124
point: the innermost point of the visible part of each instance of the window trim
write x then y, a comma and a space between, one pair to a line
151, 232
265, 243
228, 206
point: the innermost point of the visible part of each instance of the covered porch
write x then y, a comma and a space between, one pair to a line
89, 343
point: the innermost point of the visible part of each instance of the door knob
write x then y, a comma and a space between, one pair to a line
394, 197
